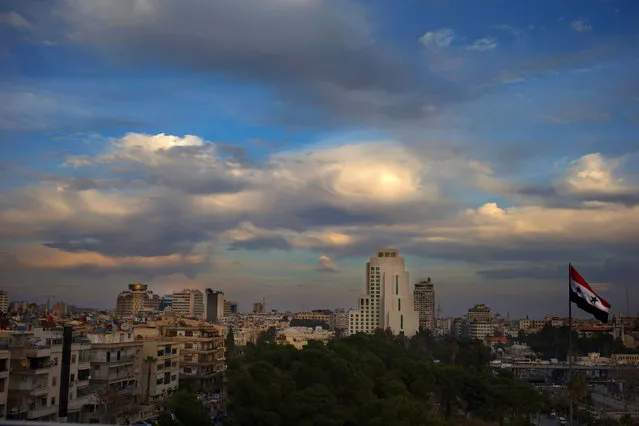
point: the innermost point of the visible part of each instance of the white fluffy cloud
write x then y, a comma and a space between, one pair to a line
438, 39
188, 203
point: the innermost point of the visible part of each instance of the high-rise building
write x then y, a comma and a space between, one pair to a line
132, 301
4, 302
214, 305
479, 324
258, 307
479, 313
388, 302
424, 295
188, 303
229, 308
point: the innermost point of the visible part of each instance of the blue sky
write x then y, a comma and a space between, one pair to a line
267, 148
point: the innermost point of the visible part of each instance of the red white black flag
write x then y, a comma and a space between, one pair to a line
585, 297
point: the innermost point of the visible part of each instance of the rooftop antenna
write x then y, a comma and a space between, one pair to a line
264, 303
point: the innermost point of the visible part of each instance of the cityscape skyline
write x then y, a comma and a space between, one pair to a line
157, 142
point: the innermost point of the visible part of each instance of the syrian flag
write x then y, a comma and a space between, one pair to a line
585, 297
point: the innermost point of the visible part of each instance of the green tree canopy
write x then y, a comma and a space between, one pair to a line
377, 379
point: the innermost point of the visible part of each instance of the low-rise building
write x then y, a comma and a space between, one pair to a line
202, 361
160, 370
115, 373
34, 380
5, 360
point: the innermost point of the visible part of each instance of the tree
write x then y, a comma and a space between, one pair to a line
373, 380
149, 361
577, 387
230, 344
184, 409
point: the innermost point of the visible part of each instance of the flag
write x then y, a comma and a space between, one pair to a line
585, 297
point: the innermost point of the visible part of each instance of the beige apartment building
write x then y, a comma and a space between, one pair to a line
201, 362
160, 370
116, 358
188, 303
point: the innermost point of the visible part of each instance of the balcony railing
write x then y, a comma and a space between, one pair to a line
42, 411
123, 360
32, 369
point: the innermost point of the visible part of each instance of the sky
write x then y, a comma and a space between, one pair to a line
268, 147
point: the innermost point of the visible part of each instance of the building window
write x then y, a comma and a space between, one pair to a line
396, 284
72, 359
399, 304
401, 322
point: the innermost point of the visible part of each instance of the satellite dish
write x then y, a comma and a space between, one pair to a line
125, 327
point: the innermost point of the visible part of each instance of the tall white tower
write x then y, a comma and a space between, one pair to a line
388, 302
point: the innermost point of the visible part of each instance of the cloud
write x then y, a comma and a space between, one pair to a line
289, 51
50, 259
483, 44
438, 39
134, 211
508, 28
580, 26
14, 20
325, 264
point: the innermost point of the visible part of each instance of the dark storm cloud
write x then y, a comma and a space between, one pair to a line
550, 196
262, 243
613, 268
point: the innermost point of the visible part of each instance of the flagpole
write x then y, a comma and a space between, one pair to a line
569, 343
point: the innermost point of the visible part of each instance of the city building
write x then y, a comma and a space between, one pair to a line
319, 315
116, 358
4, 302
166, 302
60, 309
258, 307
479, 324
214, 305
5, 362
229, 308
339, 321
201, 353
388, 302
188, 303
479, 313
299, 336
136, 299
34, 380
160, 370
424, 295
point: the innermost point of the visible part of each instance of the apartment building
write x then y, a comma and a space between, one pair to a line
188, 303
424, 297
160, 370
214, 305
80, 397
34, 382
202, 362
116, 358
4, 302
5, 360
